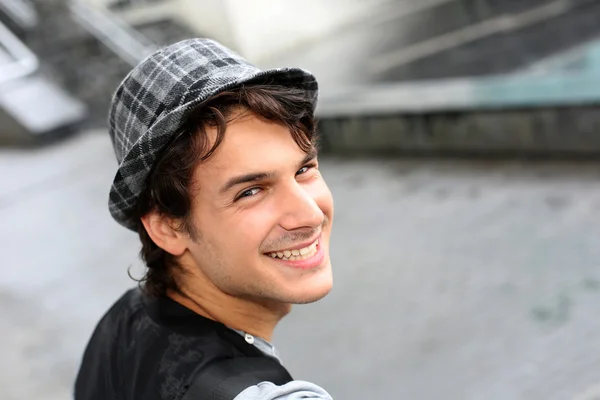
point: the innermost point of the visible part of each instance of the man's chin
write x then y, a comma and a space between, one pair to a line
315, 292
312, 299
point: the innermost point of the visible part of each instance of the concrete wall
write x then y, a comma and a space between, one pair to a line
263, 28
210, 18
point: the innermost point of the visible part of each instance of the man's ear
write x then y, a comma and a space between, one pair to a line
162, 232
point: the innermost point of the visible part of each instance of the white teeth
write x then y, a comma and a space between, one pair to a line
297, 254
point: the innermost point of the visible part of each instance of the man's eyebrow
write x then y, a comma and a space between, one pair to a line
259, 176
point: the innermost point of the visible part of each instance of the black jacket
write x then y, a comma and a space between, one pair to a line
155, 349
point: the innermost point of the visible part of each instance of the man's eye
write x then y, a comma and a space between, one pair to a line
248, 193
305, 169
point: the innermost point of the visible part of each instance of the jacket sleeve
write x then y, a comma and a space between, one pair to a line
295, 390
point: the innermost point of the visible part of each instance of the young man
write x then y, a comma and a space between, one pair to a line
218, 174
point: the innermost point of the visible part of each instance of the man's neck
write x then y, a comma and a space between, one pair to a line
255, 317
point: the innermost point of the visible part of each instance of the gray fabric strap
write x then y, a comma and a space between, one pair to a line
224, 380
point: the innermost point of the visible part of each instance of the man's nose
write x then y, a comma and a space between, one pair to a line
300, 210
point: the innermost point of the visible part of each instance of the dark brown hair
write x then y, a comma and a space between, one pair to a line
167, 188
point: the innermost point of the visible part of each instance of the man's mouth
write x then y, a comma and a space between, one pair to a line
297, 254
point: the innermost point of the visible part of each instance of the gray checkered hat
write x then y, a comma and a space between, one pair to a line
151, 104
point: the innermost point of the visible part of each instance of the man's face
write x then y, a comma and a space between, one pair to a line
263, 215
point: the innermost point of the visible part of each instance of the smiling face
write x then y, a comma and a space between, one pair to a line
263, 215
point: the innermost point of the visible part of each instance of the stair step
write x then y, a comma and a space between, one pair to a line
35, 109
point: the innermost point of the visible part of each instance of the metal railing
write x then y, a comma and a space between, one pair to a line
18, 60
115, 34
21, 12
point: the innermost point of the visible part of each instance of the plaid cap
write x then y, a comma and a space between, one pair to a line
151, 104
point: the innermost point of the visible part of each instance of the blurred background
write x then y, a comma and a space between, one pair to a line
460, 140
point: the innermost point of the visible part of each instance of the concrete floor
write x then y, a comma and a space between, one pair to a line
454, 279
